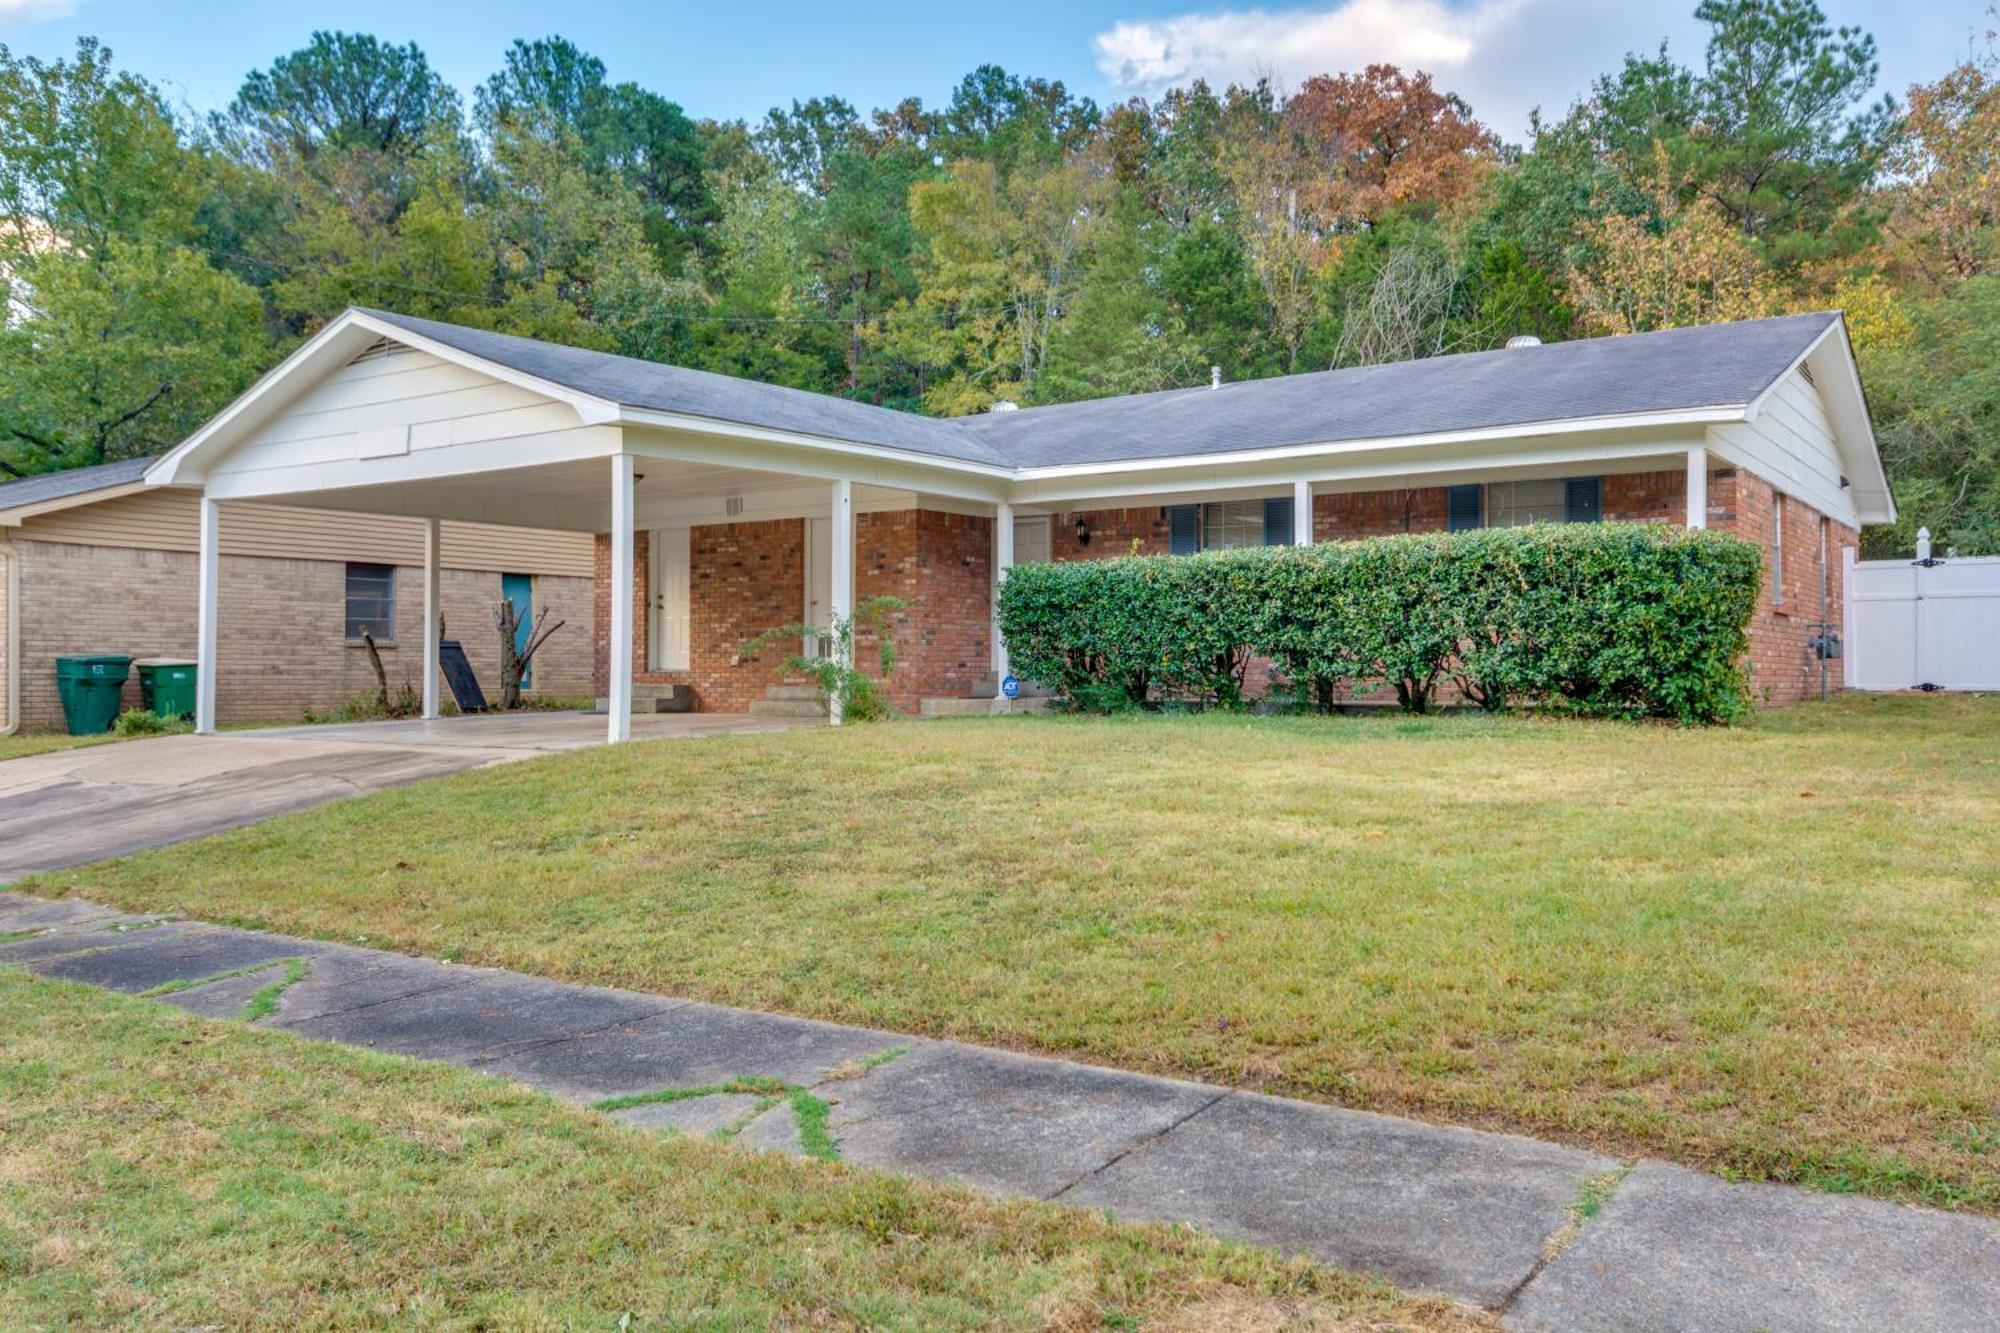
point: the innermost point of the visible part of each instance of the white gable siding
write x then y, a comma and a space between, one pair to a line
398, 404
1791, 445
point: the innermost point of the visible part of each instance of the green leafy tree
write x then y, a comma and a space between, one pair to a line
343, 92
120, 336
1121, 334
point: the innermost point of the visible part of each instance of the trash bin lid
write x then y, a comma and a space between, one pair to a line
86, 659
163, 661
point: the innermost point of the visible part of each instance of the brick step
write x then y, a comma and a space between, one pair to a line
655, 699
790, 691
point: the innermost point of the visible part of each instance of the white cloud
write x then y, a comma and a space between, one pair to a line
28, 11
1503, 56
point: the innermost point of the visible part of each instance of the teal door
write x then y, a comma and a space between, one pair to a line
520, 590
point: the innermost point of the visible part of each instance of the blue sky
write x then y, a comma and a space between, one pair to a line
737, 60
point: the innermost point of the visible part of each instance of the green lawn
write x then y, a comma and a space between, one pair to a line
1772, 950
164, 1172
22, 744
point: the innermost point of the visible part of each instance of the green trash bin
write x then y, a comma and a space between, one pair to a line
91, 686
166, 685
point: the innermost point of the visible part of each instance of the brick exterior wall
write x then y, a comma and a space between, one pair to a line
281, 638
1783, 669
1113, 532
744, 578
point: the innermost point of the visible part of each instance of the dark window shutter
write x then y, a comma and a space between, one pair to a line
1278, 522
1462, 507
1583, 499
1184, 529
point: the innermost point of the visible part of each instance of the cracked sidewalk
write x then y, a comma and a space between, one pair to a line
1549, 1236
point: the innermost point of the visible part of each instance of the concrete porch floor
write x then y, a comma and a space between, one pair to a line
70, 807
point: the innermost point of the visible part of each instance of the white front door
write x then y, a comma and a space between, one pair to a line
668, 635
819, 581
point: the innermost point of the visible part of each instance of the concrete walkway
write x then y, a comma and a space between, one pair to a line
69, 807
1492, 1220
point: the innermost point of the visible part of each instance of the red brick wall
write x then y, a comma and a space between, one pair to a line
1113, 532
746, 577
1782, 669
1357, 514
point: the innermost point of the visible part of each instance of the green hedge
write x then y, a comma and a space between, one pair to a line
1610, 619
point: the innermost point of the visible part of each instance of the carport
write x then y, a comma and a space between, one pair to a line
375, 415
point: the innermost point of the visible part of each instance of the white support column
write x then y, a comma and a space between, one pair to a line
1003, 560
207, 606
1698, 487
1302, 513
433, 611
620, 646
840, 568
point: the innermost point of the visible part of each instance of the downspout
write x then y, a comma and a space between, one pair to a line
13, 559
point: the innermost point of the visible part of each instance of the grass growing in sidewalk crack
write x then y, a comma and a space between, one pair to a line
264, 1002
1591, 1196
809, 1113
10, 936
179, 984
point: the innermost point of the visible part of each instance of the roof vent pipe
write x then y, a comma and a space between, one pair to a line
1005, 405
1524, 340
1215, 377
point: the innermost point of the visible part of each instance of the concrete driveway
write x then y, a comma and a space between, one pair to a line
74, 806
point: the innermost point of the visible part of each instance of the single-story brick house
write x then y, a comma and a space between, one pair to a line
94, 560
721, 507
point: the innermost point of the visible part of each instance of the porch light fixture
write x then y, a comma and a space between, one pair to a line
1082, 531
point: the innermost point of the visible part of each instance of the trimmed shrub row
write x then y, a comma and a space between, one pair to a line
1609, 619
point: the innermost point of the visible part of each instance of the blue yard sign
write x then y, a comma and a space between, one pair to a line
1011, 687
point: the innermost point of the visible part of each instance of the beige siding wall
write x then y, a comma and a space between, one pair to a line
168, 519
1791, 445
282, 634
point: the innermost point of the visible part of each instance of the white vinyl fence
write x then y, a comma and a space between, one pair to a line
1924, 623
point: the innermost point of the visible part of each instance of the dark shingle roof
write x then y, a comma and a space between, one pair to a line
76, 481
663, 388
1716, 365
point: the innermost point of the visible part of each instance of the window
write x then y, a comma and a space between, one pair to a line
1777, 550
371, 601
1509, 504
1229, 523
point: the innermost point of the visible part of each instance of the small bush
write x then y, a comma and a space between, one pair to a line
144, 722
1607, 619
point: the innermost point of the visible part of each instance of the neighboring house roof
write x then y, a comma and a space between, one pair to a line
46, 487
1717, 365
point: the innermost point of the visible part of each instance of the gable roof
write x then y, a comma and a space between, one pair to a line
76, 481
1710, 374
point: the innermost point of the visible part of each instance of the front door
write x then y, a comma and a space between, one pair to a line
668, 632
520, 590
819, 583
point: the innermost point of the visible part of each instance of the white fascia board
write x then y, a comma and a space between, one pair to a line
336, 343
1523, 431
758, 448
1437, 467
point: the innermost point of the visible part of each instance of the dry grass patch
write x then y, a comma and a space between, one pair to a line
1771, 950
163, 1172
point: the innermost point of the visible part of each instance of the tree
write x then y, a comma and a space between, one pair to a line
343, 92
1005, 261
553, 90
1120, 335
1775, 131
1009, 121
120, 336
1944, 221
1383, 139
1686, 264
